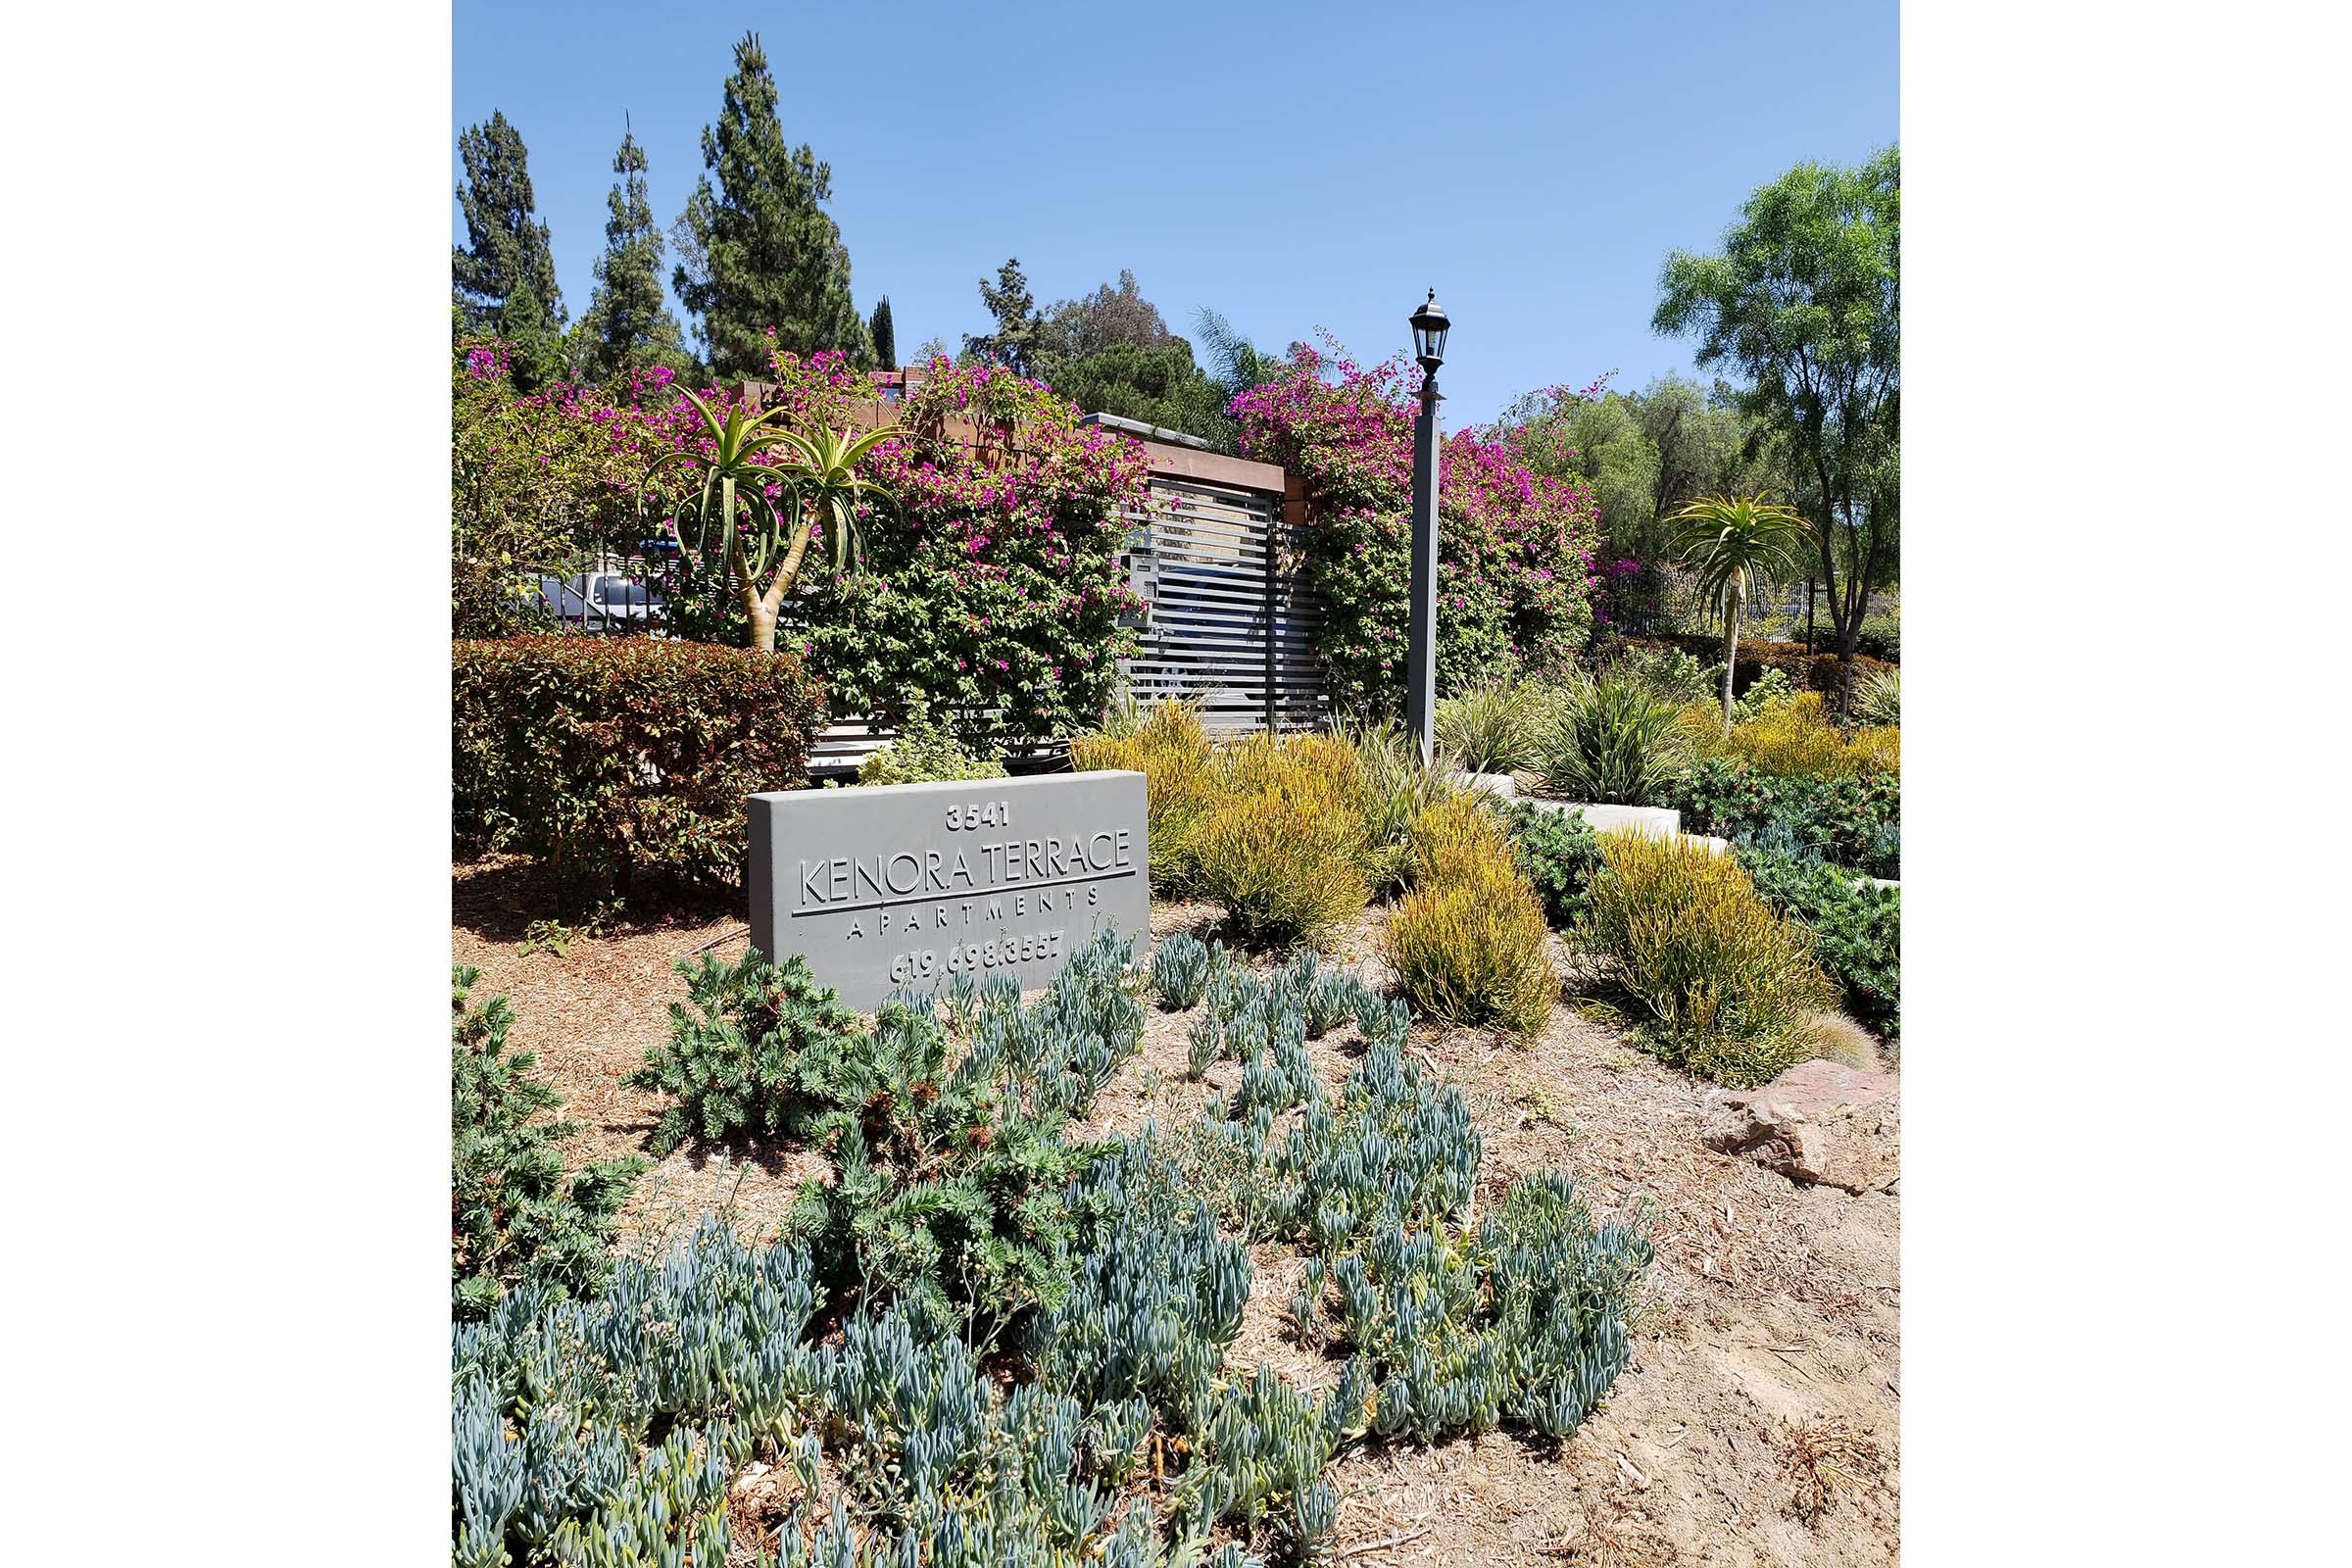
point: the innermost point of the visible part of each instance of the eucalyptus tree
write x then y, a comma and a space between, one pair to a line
1804, 300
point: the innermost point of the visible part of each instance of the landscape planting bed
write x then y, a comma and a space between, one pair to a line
1757, 1422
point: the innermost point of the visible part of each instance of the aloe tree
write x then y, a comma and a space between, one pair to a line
819, 486
1731, 545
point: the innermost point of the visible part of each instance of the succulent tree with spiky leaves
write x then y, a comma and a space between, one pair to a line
764, 538
1732, 544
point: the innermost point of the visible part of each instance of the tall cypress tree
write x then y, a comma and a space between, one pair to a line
757, 249
629, 323
886, 338
506, 244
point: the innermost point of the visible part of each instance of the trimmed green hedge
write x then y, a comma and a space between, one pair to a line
614, 759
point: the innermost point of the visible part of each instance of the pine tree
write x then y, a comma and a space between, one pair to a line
541, 350
1014, 342
506, 245
630, 325
886, 341
757, 249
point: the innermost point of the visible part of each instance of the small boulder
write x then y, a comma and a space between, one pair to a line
1820, 1122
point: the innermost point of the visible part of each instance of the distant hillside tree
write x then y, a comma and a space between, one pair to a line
629, 323
506, 245
756, 247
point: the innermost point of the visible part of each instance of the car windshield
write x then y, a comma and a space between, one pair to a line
619, 591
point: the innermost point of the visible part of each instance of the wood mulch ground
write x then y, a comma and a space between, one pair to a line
1759, 1423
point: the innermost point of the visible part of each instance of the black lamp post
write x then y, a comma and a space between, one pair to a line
1421, 648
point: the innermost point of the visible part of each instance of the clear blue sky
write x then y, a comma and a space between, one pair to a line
1294, 165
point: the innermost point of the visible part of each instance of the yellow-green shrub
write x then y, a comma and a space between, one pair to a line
1468, 940
1728, 984
1283, 847
1791, 738
1282, 868
1171, 749
1452, 835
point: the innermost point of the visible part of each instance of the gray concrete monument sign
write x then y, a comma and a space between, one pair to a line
913, 884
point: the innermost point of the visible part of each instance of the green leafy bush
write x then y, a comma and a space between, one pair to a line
1558, 853
1769, 690
1609, 742
516, 1218
1857, 926
615, 757
1850, 821
1728, 984
949, 1187
1671, 675
923, 752
751, 1050
1881, 637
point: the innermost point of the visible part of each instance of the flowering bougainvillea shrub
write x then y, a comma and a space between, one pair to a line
992, 588
535, 480
989, 589
1515, 554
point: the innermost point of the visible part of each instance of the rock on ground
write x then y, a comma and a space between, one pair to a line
1820, 1122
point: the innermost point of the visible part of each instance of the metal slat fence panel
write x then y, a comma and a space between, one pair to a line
1232, 620
1231, 624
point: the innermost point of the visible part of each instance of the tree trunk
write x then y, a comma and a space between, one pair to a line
1731, 657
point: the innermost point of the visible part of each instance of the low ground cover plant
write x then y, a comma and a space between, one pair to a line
1852, 820
948, 1139
1728, 984
609, 1427
1857, 926
753, 1051
1558, 853
517, 1218
618, 758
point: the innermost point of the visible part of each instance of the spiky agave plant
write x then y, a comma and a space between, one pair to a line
764, 539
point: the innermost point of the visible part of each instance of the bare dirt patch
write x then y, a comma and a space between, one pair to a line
1757, 1424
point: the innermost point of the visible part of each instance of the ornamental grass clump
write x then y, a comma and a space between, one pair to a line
1610, 742
1397, 787
1727, 983
1467, 942
1490, 729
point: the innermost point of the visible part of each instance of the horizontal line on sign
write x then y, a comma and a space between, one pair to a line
950, 898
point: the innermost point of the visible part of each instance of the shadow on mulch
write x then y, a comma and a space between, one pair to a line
499, 897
